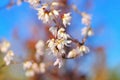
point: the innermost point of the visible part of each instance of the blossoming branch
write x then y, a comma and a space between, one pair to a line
49, 12
60, 45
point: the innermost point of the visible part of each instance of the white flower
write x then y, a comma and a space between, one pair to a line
57, 46
40, 44
43, 14
46, 15
53, 30
55, 12
72, 53
66, 18
87, 31
58, 62
62, 42
86, 19
9, 57
51, 43
29, 73
27, 65
83, 49
4, 46
33, 68
79, 51
38, 68
40, 47
61, 34
55, 4
42, 67
52, 46
34, 3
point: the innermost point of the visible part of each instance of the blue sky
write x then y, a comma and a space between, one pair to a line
109, 11
105, 12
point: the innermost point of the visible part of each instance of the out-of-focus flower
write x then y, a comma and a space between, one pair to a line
38, 68
47, 15
55, 4
29, 73
33, 68
40, 45
4, 46
66, 18
9, 57
86, 19
34, 3
42, 67
62, 34
27, 65
86, 31
58, 62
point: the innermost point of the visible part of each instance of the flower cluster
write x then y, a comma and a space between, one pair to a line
57, 45
60, 44
33, 68
49, 12
79, 51
9, 54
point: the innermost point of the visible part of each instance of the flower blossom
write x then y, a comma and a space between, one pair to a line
86, 31
55, 4
9, 57
32, 68
58, 62
57, 46
40, 45
27, 65
79, 51
47, 15
62, 42
83, 49
52, 46
34, 3
53, 30
66, 18
4, 46
72, 53
42, 67
61, 34
86, 19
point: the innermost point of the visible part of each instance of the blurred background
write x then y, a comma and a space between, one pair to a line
19, 25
